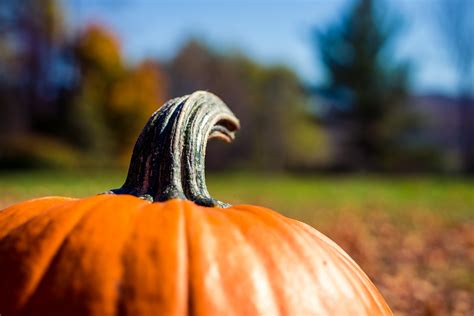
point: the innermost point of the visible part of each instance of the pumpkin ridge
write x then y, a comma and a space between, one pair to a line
190, 305
14, 211
361, 287
295, 246
231, 220
322, 256
334, 251
325, 257
50, 264
245, 213
11, 209
347, 261
118, 304
8, 234
192, 261
350, 279
32, 280
359, 278
25, 222
304, 252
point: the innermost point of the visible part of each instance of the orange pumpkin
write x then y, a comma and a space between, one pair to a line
160, 245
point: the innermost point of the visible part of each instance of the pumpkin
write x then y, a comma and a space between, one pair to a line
161, 245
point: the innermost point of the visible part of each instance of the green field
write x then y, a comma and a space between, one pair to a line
412, 235
303, 197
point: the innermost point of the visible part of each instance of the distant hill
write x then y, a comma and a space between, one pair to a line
440, 116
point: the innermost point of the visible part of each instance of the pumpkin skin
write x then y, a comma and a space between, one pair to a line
161, 245
121, 255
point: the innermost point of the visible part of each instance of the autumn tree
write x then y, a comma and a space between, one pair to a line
61, 94
35, 78
32, 37
113, 99
133, 98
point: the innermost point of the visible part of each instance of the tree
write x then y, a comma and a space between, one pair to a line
456, 21
32, 37
35, 81
113, 100
98, 59
69, 93
133, 98
369, 87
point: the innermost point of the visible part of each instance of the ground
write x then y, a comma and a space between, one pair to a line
414, 236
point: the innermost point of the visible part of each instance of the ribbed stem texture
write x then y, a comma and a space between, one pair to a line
168, 160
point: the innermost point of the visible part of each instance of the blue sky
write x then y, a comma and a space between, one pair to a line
270, 31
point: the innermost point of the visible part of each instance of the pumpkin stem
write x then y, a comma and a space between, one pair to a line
168, 157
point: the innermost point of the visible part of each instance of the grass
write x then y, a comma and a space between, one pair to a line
303, 197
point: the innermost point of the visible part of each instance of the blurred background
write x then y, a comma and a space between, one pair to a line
357, 117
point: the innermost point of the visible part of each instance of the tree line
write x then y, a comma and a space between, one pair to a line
73, 99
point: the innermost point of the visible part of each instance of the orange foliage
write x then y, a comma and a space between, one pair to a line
142, 87
133, 97
113, 94
426, 271
100, 48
